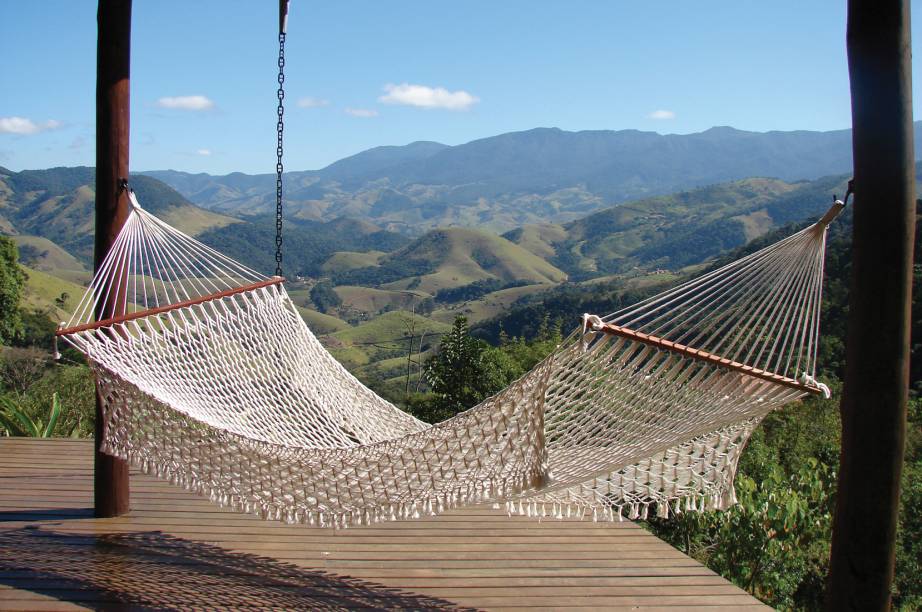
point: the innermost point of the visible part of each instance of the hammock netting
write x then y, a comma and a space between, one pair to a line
211, 378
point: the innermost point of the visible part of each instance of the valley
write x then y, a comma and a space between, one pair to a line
380, 299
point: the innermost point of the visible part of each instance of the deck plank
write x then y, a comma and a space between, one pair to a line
177, 549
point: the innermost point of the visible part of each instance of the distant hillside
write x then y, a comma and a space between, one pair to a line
674, 231
58, 205
43, 255
307, 246
544, 175
379, 162
454, 257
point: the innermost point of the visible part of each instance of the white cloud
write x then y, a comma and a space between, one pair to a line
427, 97
661, 114
203, 152
309, 102
77, 143
365, 113
193, 103
21, 125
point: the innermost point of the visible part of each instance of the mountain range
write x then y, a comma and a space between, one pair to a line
378, 284
544, 175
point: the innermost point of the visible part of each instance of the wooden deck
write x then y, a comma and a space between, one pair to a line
177, 550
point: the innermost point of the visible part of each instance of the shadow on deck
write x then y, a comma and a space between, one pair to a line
156, 570
177, 550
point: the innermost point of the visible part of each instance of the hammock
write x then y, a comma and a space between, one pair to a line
209, 377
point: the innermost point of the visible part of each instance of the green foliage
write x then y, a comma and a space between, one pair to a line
308, 245
394, 269
12, 280
33, 385
428, 407
465, 370
774, 542
75, 387
37, 329
907, 587
16, 422
475, 290
425, 307
324, 297
457, 373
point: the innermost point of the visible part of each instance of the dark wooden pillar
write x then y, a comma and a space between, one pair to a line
877, 371
113, 59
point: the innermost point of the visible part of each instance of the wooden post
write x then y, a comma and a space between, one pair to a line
877, 371
113, 59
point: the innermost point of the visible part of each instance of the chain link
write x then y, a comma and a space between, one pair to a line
280, 128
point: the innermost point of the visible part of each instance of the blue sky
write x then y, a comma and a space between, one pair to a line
368, 73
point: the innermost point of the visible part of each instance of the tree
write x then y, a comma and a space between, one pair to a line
466, 370
324, 297
12, 279
875, 392
455, 372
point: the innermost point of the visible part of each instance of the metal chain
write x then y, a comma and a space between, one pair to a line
280, 128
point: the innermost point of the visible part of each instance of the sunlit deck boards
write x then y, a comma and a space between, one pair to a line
176, 550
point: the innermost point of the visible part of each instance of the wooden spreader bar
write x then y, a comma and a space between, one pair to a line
687, 351
275, 280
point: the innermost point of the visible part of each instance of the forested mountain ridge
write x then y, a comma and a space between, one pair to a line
677, 230
57, 204
535, 176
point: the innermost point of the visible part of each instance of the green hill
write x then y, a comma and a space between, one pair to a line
454, 257
58, 204
343, 261
539, 239
383, 337
308, 245
320, 323
491, 305
44, 255
674, 231
43, 289
370, 300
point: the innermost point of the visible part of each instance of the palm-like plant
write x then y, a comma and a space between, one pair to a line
15, 422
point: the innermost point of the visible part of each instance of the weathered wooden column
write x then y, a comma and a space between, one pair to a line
113, 59
877, 371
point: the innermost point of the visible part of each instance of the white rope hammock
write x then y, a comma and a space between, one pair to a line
212, 379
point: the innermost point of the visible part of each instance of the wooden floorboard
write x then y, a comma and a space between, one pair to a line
176, 550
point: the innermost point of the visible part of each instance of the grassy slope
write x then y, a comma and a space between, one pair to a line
42, 289
641, 232
539, 239
383, 337
343, 261
389, 326
459, 256
52, 259
193, 220
58, 205
620, 232
370, 300
489, 306
321, 323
